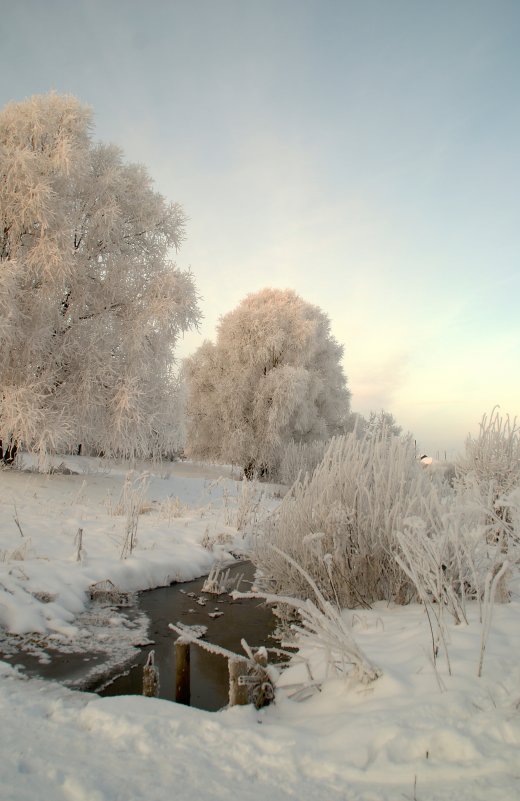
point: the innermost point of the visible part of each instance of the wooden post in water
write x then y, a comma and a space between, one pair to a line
150, 677
263, 692
182, 672
250, 684
237, 692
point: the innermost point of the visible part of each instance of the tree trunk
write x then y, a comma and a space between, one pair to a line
9, 454
250, 470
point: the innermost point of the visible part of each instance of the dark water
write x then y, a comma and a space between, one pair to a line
242, 619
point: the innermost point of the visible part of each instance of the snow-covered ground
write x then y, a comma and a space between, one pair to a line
187, 519
415, 733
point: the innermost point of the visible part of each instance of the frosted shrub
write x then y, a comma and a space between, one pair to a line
371, 524
444, 561
512, 503
133, 494
494, 456
300, 458
339, 524
463, 545
450, 559
249, 505
171, 508
484, 523
489, 471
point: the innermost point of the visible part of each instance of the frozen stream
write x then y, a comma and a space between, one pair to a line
233, 621
117, 667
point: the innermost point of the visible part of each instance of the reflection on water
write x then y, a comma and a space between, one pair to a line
245, 619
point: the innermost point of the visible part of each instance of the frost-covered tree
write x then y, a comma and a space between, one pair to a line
90, 304
382, 423
273, 377
378, 424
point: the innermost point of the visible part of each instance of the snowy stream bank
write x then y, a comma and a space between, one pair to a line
226, 621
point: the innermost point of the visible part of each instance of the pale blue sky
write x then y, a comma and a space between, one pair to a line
366, 154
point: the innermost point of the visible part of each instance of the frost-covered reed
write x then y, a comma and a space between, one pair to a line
339, 523
370, 524
300, 458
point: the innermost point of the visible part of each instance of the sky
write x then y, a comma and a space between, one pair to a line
365, 153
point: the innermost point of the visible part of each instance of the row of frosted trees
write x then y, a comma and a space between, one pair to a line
91, 308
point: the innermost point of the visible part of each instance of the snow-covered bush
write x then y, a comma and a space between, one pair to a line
493, 457
372, 524
450, 557
249, 506
489, 471
339, 524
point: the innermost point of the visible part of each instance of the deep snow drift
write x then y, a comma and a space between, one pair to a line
415, 733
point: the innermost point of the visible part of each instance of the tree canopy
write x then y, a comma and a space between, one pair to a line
91, 305
273, 376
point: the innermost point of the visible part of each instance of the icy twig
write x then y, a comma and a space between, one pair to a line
16, 520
